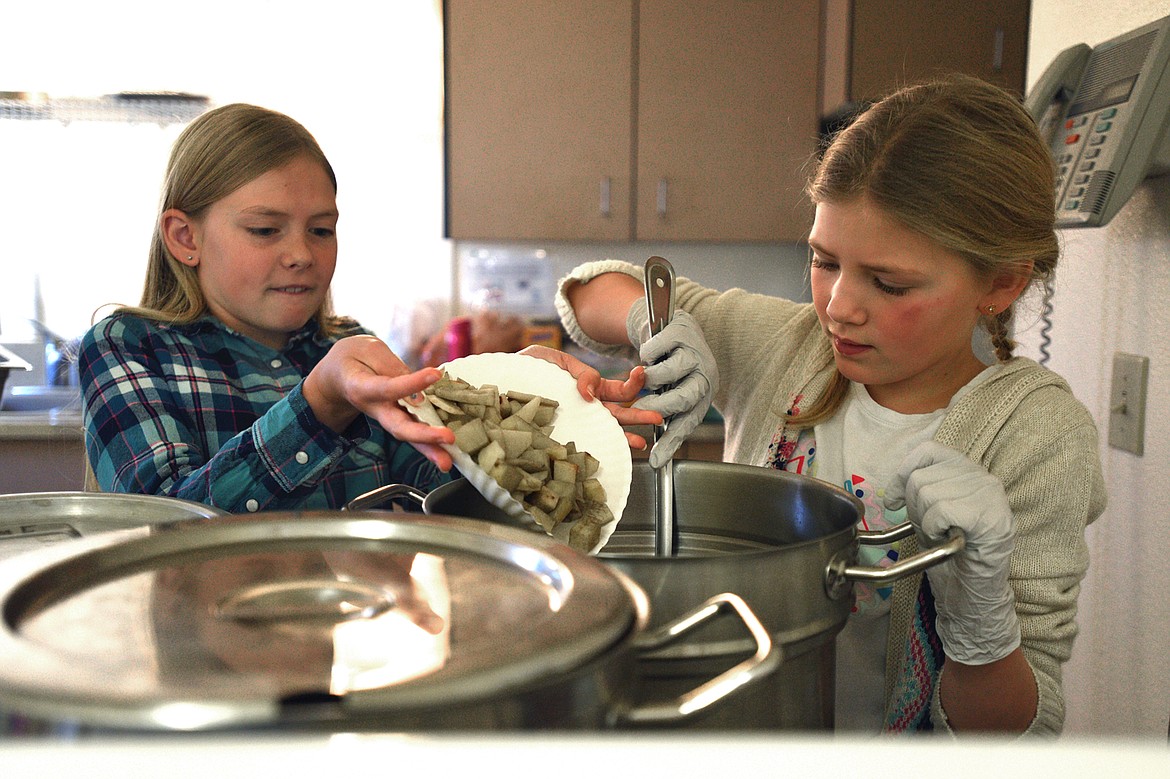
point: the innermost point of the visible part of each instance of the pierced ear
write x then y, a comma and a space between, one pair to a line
179, 234
1005, 288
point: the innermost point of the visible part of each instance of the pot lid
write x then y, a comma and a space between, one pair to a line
31, 520
233, 621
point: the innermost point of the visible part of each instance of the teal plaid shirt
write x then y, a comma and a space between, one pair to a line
200, 412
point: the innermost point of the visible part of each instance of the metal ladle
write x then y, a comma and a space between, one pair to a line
660, 306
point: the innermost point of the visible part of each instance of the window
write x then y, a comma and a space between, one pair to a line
78, 198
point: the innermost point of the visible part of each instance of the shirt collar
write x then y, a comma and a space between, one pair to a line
310, 331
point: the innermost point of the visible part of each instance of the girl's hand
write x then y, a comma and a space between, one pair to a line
615, 395
944, 489
682, 368
361, 375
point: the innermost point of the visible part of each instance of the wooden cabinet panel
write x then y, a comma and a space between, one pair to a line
538, 115
910, 40
552, 102
727, 116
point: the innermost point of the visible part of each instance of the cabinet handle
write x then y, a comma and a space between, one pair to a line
605, 184
662, 197
997, 51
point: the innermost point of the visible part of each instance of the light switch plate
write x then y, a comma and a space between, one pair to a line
1127, 402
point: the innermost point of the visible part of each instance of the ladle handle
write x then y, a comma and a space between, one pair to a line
659, 279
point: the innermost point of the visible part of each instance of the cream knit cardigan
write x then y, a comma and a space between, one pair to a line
1023, 425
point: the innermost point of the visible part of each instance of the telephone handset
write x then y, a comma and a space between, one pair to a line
1051, 96
1105, 114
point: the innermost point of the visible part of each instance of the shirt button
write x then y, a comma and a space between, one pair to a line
252, 505
302, 458
275, 363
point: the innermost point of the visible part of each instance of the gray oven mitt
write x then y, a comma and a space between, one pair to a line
943, 489
680, 364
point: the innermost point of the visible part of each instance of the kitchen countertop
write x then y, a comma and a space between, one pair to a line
566, 756
64, 424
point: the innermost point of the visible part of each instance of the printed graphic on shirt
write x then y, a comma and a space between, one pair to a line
797, 454
868, 599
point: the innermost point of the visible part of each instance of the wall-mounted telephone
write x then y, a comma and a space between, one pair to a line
1104, 112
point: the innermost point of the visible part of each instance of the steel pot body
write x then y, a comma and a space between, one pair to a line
366, 621
786, 544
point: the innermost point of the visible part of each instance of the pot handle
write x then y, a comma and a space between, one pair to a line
839, 572
384, 493
767, 658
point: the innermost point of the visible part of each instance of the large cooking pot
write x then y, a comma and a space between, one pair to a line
785, 543
339, 621
30, 520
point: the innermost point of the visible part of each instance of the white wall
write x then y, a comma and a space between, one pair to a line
77, 203
1113, 295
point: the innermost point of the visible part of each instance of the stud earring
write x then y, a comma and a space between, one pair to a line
189, 258
990, 309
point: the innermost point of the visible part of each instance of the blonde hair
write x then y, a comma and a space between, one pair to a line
219, 152
961, 162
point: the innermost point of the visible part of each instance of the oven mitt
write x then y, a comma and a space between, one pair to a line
943, 489
679, 362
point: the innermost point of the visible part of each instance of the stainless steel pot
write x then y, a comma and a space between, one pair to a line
786, 544
31, 520
328, 620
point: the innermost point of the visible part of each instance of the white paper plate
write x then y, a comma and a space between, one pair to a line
588, 424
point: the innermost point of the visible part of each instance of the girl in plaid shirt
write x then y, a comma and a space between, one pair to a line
233, 383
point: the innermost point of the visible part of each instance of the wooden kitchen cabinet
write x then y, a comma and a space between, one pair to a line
895, 43
617, 120
50, 464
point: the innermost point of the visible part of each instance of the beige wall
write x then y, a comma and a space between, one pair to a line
1113, 294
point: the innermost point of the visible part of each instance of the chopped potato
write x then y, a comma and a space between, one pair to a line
508, 435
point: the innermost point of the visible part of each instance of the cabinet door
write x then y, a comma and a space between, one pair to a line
911, 40
726, 119
538, 119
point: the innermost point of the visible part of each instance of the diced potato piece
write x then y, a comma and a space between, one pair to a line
596, 513
508, 476
515, 442
491, 416
563, 470
527, 412
564, 507
542, 518
562, 489
544, 499
591, 465
518, 423
490, 456
583, 536
472, 436
529, 482
443, 405
531, 460
592, 491
462, 395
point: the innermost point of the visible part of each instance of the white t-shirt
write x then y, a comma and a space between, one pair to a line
860, 449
